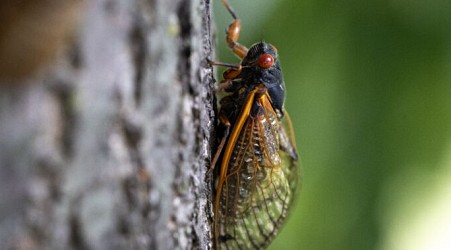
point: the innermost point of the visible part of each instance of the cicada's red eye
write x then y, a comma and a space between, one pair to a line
265, 61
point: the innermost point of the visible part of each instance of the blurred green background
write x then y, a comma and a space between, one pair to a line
369, 93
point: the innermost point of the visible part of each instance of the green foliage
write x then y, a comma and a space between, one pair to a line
369, 93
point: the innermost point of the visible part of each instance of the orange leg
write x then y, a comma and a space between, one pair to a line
233, 33
229, 74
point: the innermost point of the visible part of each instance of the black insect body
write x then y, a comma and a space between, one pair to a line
257, 172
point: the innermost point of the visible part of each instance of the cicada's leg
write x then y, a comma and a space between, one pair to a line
231, 67
229, 74
233, 32
224, 121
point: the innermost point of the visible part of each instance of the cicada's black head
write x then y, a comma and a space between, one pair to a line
261, 66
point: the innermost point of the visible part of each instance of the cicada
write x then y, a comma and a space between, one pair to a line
257, 171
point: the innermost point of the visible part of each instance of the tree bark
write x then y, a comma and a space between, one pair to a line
108, 147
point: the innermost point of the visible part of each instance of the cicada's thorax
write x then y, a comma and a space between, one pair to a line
269, 80
253, 75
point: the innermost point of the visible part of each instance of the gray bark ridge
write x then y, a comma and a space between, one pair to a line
109, 148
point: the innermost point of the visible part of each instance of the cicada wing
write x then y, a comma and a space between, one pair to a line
257, 192
290, 158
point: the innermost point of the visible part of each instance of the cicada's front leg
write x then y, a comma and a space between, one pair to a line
233, 33
232, 72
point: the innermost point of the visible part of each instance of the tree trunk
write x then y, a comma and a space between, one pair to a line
108, 147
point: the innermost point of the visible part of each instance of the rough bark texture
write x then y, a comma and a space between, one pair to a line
109, 148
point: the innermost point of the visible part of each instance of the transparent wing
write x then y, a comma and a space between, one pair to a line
258, 188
